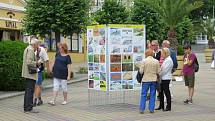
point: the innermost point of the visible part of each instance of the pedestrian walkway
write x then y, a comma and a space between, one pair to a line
78, 109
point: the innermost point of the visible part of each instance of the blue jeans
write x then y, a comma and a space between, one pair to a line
145, 88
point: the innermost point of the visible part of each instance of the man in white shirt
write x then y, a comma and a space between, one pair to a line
43, 60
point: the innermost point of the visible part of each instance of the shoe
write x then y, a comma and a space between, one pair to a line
52, 103
186, 101
31, 111
151, 111
40, 102
64, 103
159, 108
167, 109
190, 101
35, 102
141, 112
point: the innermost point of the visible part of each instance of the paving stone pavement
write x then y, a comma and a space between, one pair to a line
78, 109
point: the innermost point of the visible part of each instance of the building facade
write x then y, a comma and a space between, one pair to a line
11, 15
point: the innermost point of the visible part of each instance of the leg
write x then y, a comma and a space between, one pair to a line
152, 96
56, 88
29, 92
64, 87
145, 88
38, 89
161, 106
167, 94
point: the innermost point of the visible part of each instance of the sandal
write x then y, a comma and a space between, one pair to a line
52, 103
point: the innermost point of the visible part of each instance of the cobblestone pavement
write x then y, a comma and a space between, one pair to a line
78, 109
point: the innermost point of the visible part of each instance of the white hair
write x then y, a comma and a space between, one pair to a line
34, 41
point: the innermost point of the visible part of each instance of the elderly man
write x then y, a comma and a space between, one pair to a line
29, 60
166, 44
151, 69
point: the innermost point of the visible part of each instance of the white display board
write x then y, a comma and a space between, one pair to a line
114, 52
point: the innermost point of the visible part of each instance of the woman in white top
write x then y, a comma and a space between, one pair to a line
166, 76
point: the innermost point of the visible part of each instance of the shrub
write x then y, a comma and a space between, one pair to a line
11, 59
180, 50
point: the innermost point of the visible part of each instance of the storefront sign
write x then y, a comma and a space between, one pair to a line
10, 24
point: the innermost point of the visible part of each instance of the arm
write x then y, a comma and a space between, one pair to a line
191, 59
141, 68
69, 71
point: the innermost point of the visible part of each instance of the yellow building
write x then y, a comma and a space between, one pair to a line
11, 15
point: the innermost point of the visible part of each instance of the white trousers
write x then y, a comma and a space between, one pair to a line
57, 82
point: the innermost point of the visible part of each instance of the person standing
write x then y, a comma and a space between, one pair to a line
43, 60
166, 76
188, 72
61, 72
151, 69
29, 58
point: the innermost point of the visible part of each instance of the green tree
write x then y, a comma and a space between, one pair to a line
142, 14
61, 16
185, 30
112, 12
172, 12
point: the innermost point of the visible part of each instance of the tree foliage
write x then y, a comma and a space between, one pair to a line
112, 12
172, 12
62, 16
142, 14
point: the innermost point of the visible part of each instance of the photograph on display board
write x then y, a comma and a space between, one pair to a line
91, 66
115, 85
96, 58
127, 49
96, 84
102, 41
102, 32
137, 66
103, 76
139, 40
89, 33
127, 75
91, 83
96, 32
138, 57
115, 36
102, 49
96, 41
103, 85
115, 58
138, 49
90, 58
127, 41
96, 75
90, 49
90, 41
115, 67
96, 66
127, 84
90, 75
115, 49
127, 58
102, 58
115, 76
127, 67
97, 50
138, 31
127, 32
102, 68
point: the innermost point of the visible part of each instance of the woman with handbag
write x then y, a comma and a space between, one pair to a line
61, 72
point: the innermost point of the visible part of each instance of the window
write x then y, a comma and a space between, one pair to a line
75, 43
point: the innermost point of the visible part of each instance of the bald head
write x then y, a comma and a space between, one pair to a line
149, 52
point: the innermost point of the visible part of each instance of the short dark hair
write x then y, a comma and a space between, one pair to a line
187, 46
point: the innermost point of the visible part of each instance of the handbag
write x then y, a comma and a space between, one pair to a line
32, 69
212, 64
139, 77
